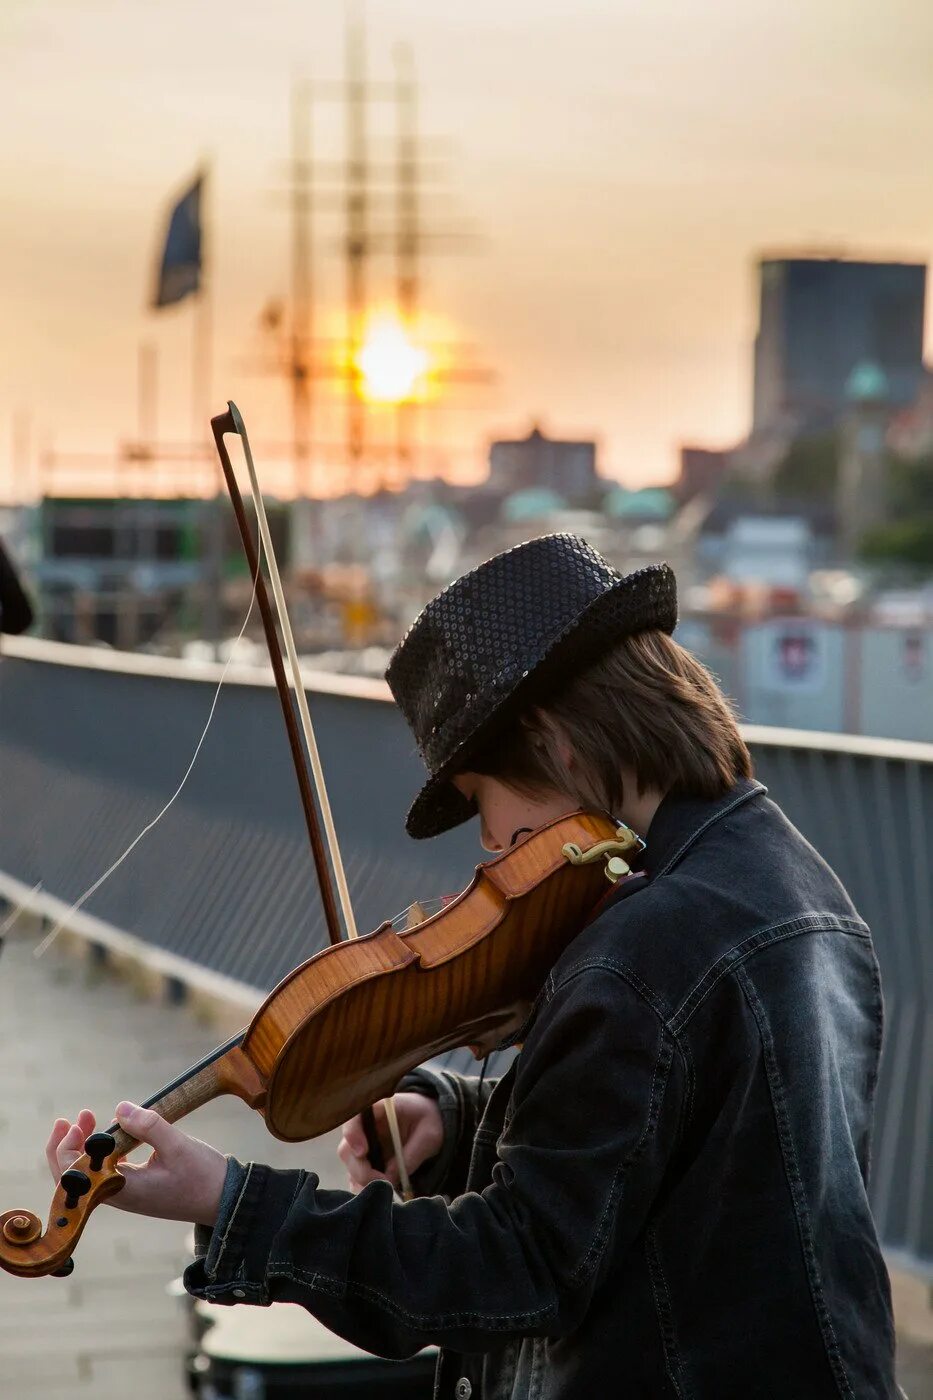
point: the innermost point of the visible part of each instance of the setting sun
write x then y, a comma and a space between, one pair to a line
390, 364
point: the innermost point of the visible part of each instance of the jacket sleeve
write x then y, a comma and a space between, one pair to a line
596, 1109
461, 1099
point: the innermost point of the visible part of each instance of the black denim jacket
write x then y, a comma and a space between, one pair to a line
665, 1196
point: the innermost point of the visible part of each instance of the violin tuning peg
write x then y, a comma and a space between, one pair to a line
67, 1268
75, 1184
98, 1148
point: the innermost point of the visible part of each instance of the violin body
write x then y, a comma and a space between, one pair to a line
339, 1032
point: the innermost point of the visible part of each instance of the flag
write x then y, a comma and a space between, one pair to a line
180, 270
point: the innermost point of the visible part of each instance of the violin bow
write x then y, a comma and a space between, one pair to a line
232, 422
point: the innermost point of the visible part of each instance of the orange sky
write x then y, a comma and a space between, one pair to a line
624, 163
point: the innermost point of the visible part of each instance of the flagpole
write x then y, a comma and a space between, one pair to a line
201, 376
202, 408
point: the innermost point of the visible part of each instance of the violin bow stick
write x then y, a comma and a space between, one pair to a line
232, 422
225, 423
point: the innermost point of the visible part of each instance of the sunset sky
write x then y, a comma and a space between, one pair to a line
623, 162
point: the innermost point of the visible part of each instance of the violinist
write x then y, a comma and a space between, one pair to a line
665, 1194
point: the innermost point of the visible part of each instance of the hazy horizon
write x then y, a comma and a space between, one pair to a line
624, 166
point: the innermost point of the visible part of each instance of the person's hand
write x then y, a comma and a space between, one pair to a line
421, 1129
182, 1179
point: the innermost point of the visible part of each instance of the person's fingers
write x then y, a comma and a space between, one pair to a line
348, 1157
85, 1125
355, 1142
360, 1171
354, 1135
60, 1128
147, 1126
66, 1142
421, 1145
362, 1177
71, 1147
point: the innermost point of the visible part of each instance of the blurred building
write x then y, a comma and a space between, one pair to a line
778, 543
701, 471
125, 571
910, 431
568, 469
818, 319
861, 486
110, 570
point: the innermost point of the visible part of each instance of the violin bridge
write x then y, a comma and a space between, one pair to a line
415, 915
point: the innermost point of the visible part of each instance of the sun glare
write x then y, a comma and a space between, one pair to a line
392, 367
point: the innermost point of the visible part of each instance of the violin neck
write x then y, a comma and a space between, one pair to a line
226, 1070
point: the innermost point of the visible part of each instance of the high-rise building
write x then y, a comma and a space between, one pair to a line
818, 319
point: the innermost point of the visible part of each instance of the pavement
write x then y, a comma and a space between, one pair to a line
72, 1035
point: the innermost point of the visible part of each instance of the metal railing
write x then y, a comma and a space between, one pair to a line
92, 744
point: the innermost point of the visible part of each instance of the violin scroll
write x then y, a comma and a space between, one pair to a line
25, 1250
624, 843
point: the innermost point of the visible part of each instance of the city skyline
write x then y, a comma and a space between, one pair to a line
624, 168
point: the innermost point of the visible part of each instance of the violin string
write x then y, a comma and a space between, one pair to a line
426, 904
50, 937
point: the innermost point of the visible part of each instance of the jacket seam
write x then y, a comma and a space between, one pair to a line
872, 1085
425, 1322
659, 1080
620, 969
795, 1184
642, 990
658, 1090
756, 942
225, 1238
686, 1112
743, 797
664, 1311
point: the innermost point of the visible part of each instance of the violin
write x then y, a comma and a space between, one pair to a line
339, 1032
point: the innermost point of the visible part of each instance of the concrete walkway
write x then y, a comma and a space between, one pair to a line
71, 1037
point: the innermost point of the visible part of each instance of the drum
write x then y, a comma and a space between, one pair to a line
283, 1353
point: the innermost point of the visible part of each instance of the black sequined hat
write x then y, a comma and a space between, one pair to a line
498, 639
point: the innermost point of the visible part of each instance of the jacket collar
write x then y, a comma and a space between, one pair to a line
680, 821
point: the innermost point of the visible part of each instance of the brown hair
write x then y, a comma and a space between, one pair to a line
647, 705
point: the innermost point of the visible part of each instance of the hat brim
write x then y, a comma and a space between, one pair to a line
440, 806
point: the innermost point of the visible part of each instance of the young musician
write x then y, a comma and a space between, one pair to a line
664, 1196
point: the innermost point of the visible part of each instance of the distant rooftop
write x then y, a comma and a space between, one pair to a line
797, 255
